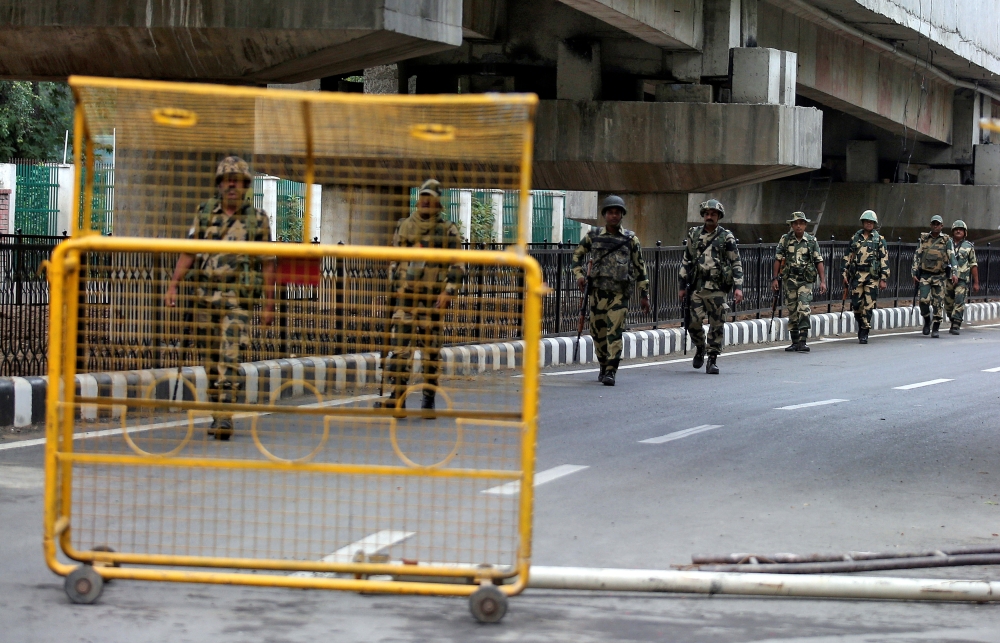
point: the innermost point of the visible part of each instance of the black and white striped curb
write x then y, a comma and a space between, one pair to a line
22, 399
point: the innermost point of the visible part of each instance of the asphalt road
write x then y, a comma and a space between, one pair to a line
882, 468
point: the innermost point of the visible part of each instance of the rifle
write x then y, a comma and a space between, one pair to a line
381, 381
583, 313
774, 308
916, 289
843, 303
186, 320
685, 313
775, 299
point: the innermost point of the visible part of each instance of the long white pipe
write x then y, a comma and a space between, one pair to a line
818, 16
810, 585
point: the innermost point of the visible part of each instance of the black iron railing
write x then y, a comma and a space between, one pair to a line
127, 327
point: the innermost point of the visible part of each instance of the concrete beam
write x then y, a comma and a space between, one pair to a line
671, 147
856, 77
671, 24
226, 40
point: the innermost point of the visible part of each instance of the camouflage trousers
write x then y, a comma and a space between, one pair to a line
864, 295
954, 301
798, 301
414, 328
932, 295
710, 306
222, 337
607, 323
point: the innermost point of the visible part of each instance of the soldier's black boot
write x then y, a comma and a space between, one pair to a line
927, 325
863, 336
802, 348
935, 329
390, 403
795, 343
222, 428
954, 328
427, 403
604, 371
712, 368
699, 357
609, 375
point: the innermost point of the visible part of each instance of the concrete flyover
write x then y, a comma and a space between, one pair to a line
671, 147
246, 41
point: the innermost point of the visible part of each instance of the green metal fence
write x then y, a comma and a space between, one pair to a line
541, 217
36, 204
291, 210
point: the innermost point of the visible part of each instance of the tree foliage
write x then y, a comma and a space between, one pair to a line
34, 118
483, 217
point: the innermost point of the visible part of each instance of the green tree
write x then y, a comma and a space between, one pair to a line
482, 221
34, 118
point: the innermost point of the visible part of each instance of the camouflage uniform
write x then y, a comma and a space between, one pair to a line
224, 287
415, 286
611, 279
955, 294
933, 263
798, 275
866, 262
711, 267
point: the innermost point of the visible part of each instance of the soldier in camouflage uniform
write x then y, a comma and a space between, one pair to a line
797, 261
866, 269
226, 284
617, 264
967, 266
421, 292
711, 267
933, 265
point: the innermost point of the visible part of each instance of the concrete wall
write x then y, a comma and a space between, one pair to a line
671, 24
852, 76
670, 147
247, 40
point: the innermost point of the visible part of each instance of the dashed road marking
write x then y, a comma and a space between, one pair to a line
992, 370
370, 544
514, 488
809, 404
677, 435
15, 477
922, 384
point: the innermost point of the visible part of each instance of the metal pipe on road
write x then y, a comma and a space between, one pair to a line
734, 559
849, 566
813, 586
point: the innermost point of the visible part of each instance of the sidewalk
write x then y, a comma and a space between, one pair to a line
22, 399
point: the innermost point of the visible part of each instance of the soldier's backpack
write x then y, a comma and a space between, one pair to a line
934, 256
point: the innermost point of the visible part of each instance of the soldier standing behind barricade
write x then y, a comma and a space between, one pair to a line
933, 264
617, 264
866, 269
711, 267
420, 293
226, 284
956, 292
798, 261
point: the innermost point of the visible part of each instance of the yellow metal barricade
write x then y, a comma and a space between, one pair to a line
191, 438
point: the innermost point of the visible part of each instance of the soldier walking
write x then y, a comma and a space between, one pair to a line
617, 265
933, 264
225, 285
866, 269
421, 292
711, 267
965, 261
797, 261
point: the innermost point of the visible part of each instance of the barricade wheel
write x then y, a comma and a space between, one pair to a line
488, 604
84, 585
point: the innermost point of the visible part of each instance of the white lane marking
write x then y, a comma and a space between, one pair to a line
677, 435
808, 404
166, 425
689, 358
992, 370
370, 544
921, 384
14, 477
514, 488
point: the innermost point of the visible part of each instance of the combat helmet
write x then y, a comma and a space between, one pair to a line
712, 204
869, 215
232, 165
613, 201
959, 224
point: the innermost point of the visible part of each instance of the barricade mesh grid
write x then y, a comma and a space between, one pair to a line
311, 453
